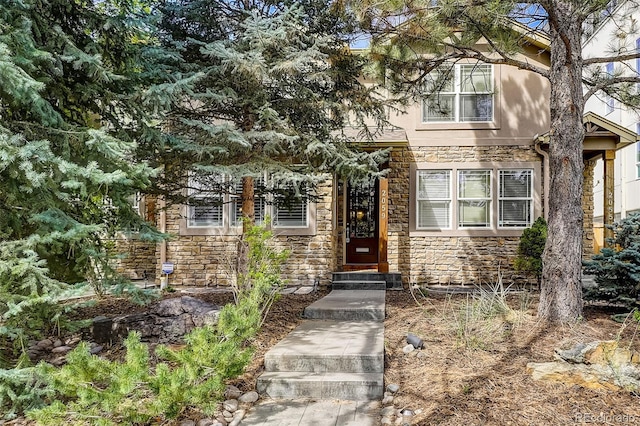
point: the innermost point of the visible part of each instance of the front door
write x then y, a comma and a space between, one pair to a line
362, 223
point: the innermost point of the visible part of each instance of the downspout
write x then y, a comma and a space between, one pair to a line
163, 228
545, 168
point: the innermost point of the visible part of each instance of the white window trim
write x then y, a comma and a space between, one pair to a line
638, 151
448, 199
494, 229
457, 95
609, 102
460, 198
228, 228
500, 198
637, 160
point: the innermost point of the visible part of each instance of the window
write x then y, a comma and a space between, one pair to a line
609, 101
516, 198
259, 205
463, 93
638, 153
638, 63
474, 198
484, 198
206, 210
213, 207
434, 199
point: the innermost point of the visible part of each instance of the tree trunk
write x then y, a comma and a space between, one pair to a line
561, 288
248, 220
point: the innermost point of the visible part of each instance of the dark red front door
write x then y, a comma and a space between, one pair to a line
362, 222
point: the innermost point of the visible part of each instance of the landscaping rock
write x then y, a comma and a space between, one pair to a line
388, 411
96, 349
57, 343
61, 349
237, 418
249, 397
408, 349
166, 322
232, 392
206, 422
230, 405
45, 344
187, 423
393, 388
58, 361
386, 421
596, 365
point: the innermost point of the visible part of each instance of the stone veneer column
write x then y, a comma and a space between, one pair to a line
587, 208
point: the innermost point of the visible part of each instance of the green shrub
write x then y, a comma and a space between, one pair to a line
617, 267
530, 249
91, 390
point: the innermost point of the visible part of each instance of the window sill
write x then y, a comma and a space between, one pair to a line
467, 233
234, 231
471, 125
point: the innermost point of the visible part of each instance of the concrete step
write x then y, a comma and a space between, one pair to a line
328, 345
359, 285
392, 279
349, 386
349, 305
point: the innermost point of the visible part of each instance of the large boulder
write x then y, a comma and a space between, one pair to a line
166, 322
595, 365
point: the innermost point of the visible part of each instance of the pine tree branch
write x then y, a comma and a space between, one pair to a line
603, 85
473, 53
607, 59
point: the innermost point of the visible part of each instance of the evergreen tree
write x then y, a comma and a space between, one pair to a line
617, 267
268, 88
531, 247
412, 38
73, 75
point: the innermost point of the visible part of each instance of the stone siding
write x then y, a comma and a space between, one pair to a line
588, 238
209, 260
137, 257
449, 260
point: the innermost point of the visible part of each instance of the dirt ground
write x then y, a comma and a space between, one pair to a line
469, 372
459, 379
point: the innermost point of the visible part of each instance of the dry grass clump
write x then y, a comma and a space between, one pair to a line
473, 368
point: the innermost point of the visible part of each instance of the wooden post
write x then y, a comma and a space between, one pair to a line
609, 197
383, 225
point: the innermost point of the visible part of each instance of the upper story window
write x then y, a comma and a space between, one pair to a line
456, 199
609, 101
462, 93
638, 153
217, 204
638, 63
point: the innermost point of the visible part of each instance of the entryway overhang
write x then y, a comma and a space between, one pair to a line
602, 139
354, 257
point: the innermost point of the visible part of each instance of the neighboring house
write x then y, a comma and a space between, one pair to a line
467, 174
627, 161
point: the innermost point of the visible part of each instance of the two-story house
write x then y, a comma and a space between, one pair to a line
466, 175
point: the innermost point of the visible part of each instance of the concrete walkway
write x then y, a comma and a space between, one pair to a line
329, 370
313, 413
